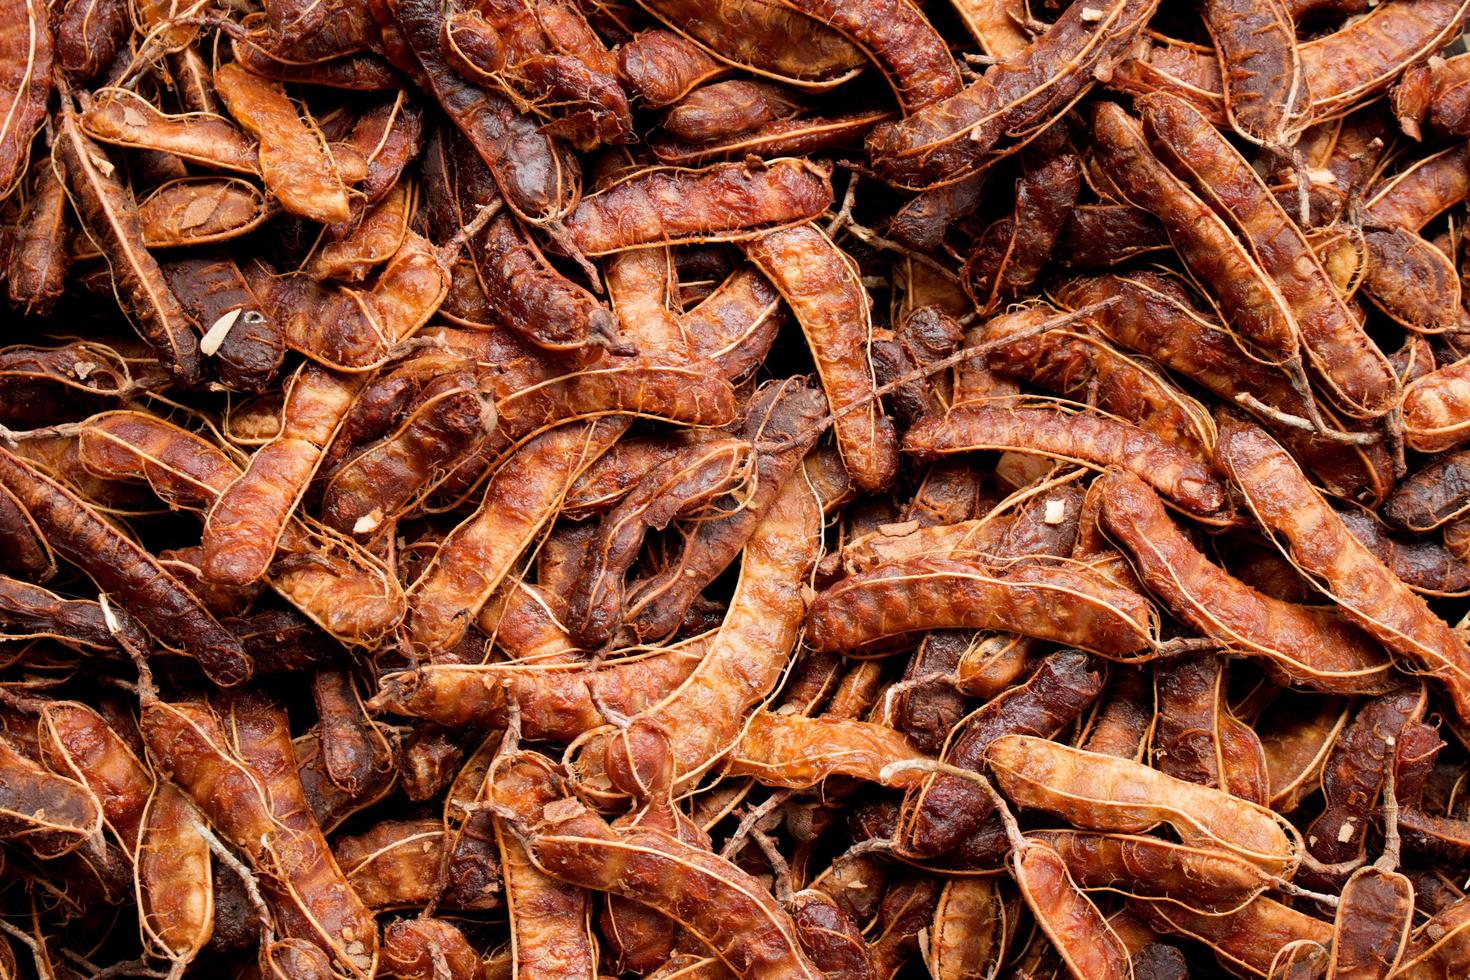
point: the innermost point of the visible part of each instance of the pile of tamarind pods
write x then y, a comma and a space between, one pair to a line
562, 490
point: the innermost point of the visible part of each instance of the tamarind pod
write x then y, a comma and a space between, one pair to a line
386, 864
211, 287
1318, 544
1422, 191
348, 748
1437, 949
1447, 110
907, 909
1011, 252
735, 325
26, 553
1365, 57
353, 331
616, 471
428, 949
1372, 925
821, 284
1266, 93
724, 907
829, 938
244, 526
898, 37
640, 285
1301, 645
555, 701
766, 38
1085, 438
344, 590
782, 413
722, 110
1355, 773
690, 966
1412, 281
527, 624
1201, 879
42, 384
1187, 71
39, 257
520, 498
360, 244
27, 52
954, 137
537, 178
722, 202
548, 916
46, 813
123, 569
359, 72
996, 25
77, 743
778, 138
1433, 495
192, 211
383, 480
1081, 936
1436, 409
941, 811
387, 398
108, 219
1154, 318
1427, 567
1196, 738
800, 753
1102, 235
972, 922
1097, 792
1355, 371
121, 117
1444, 840
1297, 740
922, 221
173, 877
1244, 941
1063, 604
749, 651
311, 896
29, 612
1067, 361
1123, 722
1251, 300
293, 959
695, 478
663, 67
297, 166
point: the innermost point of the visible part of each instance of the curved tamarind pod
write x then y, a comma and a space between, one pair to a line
1154, 317
526, 622
899, 38
1436, 409
1318, 544
1058, 602
781, 413
1427, 567
748, 652
972, 923
1371, 928
344, 590
520, 498
1079, 933
955, 137
723, 202
765, 38
1301, 645
1245, 941
1202, 879
428, 949
44, 812
122, 568
1433, 495
29, 612
1097, 792
663, 67
1357, 374
943, 811
27, 52
735, 325
724, 907
77, 742
1012, 251
39, 254
821, 284
799, 753
1085, 438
